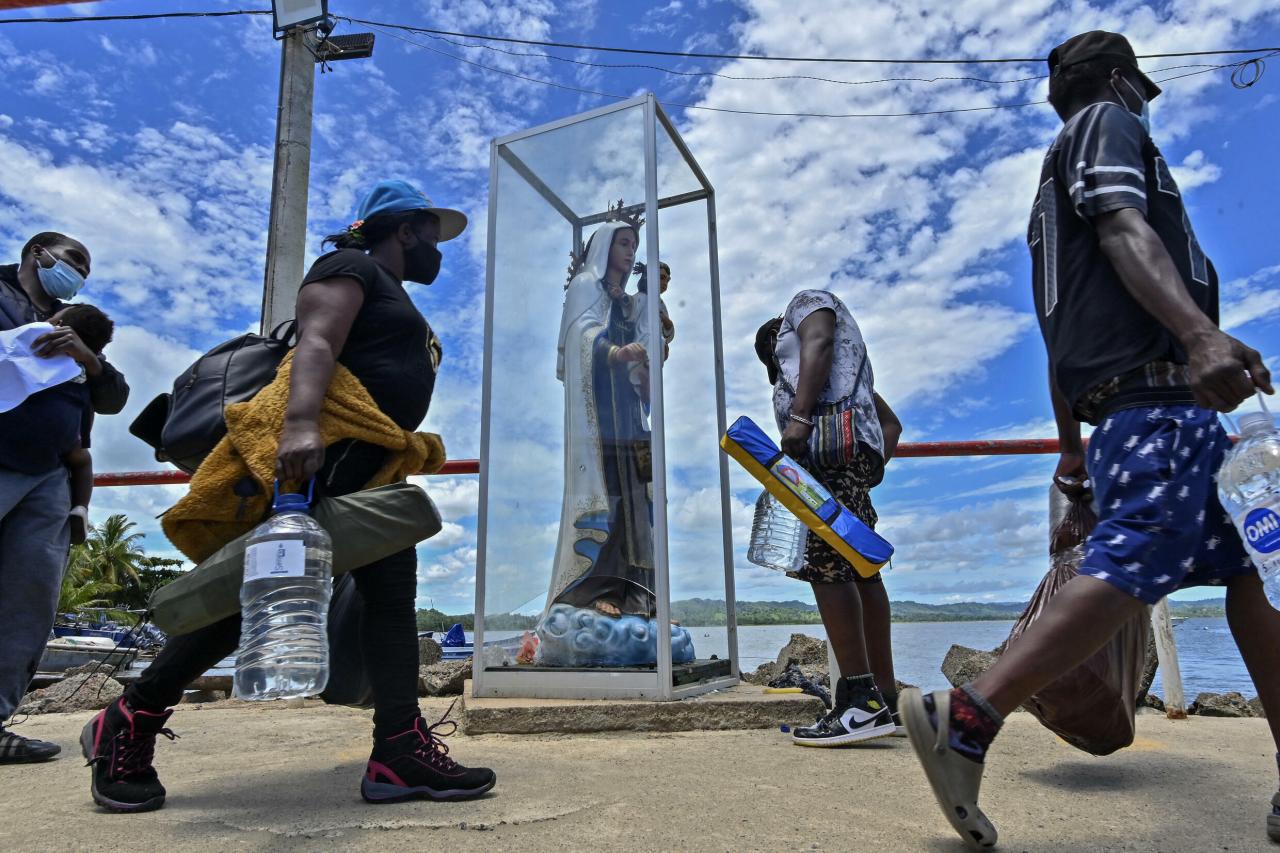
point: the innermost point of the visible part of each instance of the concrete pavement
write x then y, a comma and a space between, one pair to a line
286, 778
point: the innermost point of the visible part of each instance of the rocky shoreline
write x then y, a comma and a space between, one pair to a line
92, 687
806, 657
802, 661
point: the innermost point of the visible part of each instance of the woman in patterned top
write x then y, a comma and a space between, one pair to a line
815, 353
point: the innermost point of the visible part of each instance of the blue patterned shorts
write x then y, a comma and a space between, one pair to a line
1160, 525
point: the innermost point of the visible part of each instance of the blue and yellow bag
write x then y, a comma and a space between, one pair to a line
798, 490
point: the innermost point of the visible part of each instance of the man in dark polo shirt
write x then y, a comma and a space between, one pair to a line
34, 494
1128, 306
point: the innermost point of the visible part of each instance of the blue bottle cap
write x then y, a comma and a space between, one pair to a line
291, 502
288, 502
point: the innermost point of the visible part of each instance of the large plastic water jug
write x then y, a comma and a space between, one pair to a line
778, 538
284, 605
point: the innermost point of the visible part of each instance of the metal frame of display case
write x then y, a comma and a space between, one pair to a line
577, 683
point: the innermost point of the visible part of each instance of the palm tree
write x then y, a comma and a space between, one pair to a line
80, 589
113, 555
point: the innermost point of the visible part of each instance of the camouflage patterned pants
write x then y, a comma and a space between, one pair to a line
852, 487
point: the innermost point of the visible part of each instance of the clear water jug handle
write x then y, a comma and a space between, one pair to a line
1262, 401
276, 494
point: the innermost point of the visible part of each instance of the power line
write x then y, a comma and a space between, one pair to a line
610, 49
747, 56
773, 77
86, 19
390, 32
1239, 79
679, 73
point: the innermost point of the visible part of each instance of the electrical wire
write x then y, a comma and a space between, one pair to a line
679, 73
1247, 72
390, 32
748, 56
87, 19
609, 49
774, 77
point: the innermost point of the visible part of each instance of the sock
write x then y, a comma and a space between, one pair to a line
382, 732
974, 724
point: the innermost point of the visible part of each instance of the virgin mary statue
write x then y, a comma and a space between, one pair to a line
604, 556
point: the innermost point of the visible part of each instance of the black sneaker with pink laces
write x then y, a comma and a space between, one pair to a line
119, 745
415, 764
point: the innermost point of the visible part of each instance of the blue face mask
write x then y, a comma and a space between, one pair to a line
1144, 116
61, 281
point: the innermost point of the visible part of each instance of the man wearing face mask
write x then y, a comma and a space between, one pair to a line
34, 495
52, 270
1128, 307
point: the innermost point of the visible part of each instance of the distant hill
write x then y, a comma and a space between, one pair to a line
705, 612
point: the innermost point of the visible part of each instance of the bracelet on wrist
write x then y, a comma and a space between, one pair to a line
806, 421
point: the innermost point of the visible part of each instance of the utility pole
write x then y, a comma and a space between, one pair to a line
287, 228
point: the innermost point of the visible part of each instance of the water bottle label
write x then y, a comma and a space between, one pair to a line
1262, 530
283, 558
801, 483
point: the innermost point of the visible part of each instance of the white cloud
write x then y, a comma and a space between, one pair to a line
1247, 300
913, 222
135, 52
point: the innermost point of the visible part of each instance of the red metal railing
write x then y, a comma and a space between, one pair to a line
920, 449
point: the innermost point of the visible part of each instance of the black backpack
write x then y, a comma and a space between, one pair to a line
185, 425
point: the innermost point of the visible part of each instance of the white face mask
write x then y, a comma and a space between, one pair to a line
1144, 115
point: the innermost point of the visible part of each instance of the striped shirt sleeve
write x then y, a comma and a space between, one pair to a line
1100, 161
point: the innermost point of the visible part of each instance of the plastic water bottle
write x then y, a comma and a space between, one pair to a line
284, 605
1249, 487
778, 538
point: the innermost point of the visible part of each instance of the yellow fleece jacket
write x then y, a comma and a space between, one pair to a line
211, 515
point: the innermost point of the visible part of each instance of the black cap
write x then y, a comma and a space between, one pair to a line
1099, 44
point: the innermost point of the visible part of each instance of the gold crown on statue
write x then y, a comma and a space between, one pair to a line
617, 213
629, 215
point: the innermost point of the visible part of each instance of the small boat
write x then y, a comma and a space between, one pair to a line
143, 636
63, 653
454, 646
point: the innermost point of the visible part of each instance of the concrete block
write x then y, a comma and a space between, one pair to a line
742, 707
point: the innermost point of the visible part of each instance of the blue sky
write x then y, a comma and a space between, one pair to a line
152, 143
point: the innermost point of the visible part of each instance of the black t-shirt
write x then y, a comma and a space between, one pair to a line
1094, 330
35, 435
391, 348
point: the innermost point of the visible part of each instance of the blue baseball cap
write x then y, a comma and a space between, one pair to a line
402, 197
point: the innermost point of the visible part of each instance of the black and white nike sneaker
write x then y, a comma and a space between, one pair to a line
860, 713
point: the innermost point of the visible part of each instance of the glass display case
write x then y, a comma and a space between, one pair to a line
604, 515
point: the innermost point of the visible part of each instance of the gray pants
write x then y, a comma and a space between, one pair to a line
35, 533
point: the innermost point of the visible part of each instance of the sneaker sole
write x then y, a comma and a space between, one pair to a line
86, 748
973, 827
384, 792
848, 739
31, 759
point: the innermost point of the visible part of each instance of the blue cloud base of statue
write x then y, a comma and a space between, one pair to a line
574, 636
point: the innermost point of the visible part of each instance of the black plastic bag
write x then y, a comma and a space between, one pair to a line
348, 679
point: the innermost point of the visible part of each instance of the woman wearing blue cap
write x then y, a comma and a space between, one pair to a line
352, 309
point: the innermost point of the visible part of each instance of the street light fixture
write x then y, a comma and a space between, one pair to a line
291, 14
